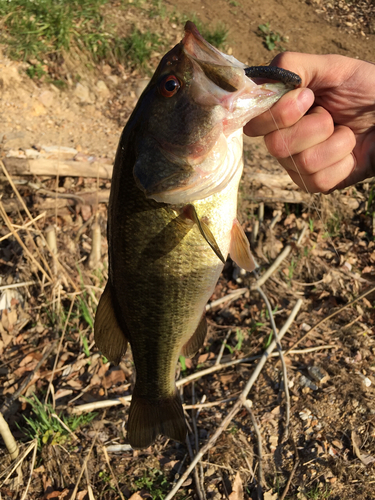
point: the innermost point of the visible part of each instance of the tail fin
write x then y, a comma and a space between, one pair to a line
149, 418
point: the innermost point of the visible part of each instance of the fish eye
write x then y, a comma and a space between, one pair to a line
169, 86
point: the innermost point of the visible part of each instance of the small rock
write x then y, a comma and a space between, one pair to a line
47, 98
107, 70
38, 109
102, 88
83, 93
318, 374
114, 79
86, 212
305, 382
366, 381
305, 414
9, 75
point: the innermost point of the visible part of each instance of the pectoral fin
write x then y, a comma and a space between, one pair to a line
109, 336
191, 213
195, 342
240, 248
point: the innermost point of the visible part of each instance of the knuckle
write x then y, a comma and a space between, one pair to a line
308, 160
275, 144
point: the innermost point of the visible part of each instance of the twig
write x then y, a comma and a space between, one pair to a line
98, 405
314, 283
23, 227
279, 348
112, 473
22, 244
32, 465
221, 352
300, 238
17, 463
287, 486
237, 406
7, 404
200, 478
74, 436
17, 285
198, 406
364, 294
261, 212
58, 353
231, 296
195, 471
89, 489
281, 257
255, 231
74, 494
275, 220
21, 200
8, 438
247, 405
40, 233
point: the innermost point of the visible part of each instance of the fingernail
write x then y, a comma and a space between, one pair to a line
304, 100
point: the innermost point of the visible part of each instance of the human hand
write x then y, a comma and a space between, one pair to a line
333, 145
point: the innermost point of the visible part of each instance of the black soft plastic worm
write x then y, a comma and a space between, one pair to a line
273, 73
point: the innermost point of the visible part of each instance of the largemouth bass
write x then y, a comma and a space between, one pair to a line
172, 221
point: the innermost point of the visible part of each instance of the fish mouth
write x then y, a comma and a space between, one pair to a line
224, 71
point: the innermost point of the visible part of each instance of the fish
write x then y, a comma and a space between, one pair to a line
172, 221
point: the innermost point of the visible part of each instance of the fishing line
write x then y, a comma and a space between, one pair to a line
304, 184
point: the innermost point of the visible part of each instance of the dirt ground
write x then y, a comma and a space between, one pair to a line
331, 449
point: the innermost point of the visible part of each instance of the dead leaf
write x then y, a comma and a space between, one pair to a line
268, 495
81, 494
229, 378
115, 376
136, 496
57, 494
205, 357
364, 458
237, 488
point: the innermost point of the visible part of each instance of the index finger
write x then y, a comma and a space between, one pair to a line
285, 113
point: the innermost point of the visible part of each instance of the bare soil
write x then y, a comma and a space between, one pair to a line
331, 449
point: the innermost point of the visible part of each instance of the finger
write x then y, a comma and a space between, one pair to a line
314, 128
318, 71
285, 113
326, 180
340, 144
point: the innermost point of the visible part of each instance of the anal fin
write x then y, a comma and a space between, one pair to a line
109, 336
195, 342
149, 418
205, 231
240, 248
